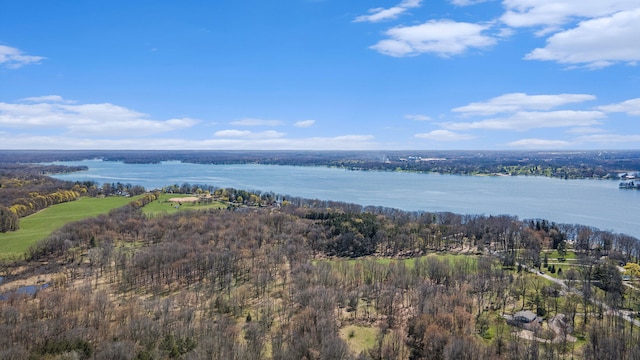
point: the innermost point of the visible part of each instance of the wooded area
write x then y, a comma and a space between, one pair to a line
274, 282
294, 278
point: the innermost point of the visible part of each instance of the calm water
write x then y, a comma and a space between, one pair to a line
589, 202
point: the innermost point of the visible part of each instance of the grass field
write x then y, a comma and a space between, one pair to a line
38, 226
163, 206
553, 255
409, 262
359, 338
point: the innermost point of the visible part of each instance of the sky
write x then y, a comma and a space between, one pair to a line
320, 74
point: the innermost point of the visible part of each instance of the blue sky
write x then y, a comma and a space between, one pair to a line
320, 74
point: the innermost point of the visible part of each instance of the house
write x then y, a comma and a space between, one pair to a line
524, 317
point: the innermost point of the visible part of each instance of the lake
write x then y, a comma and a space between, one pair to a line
597, 203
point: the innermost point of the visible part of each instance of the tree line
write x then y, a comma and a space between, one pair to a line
565, 165
24, 190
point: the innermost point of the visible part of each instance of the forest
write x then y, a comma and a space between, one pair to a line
267, 277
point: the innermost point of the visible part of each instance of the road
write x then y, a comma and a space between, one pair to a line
626, 315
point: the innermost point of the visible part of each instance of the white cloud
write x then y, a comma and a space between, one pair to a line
631, 107
525, 120
14, 58
596, 43
411, 3
417, 117
269, 134
96, 119
382, 14
353, 138
346, 142
304, 123
505, 33
395, 48
539, 144
232, 133
610, 139
520, 101
47, 98
554, 13
585, 130
444, 135
134, 127
256, 122
442, 37
108, 126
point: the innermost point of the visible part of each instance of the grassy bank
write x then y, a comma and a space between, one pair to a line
38, 226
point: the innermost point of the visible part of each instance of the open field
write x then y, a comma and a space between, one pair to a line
38, 226
164, 205
408, 262
359, 338
554, 256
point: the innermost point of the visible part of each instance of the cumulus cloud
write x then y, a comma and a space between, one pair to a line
526, 120
13, 58
600, 38
346, 142
133, 127
595, 43
631, 107
256, 122
520, 101
103, 119
232, 133
444, 135
69, 125
441, 37
417, 117
539, 144
554, 13
382, 14
269, 134
304, 123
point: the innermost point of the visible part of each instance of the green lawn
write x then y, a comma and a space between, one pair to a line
162, 206
359, 338
38, 226
553, 255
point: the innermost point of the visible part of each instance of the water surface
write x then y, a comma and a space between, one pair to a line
596, 203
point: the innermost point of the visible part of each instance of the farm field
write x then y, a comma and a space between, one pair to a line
38, 226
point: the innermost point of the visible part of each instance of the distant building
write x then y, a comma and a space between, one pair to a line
524, 317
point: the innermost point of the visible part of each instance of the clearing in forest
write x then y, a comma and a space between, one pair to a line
171, 203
